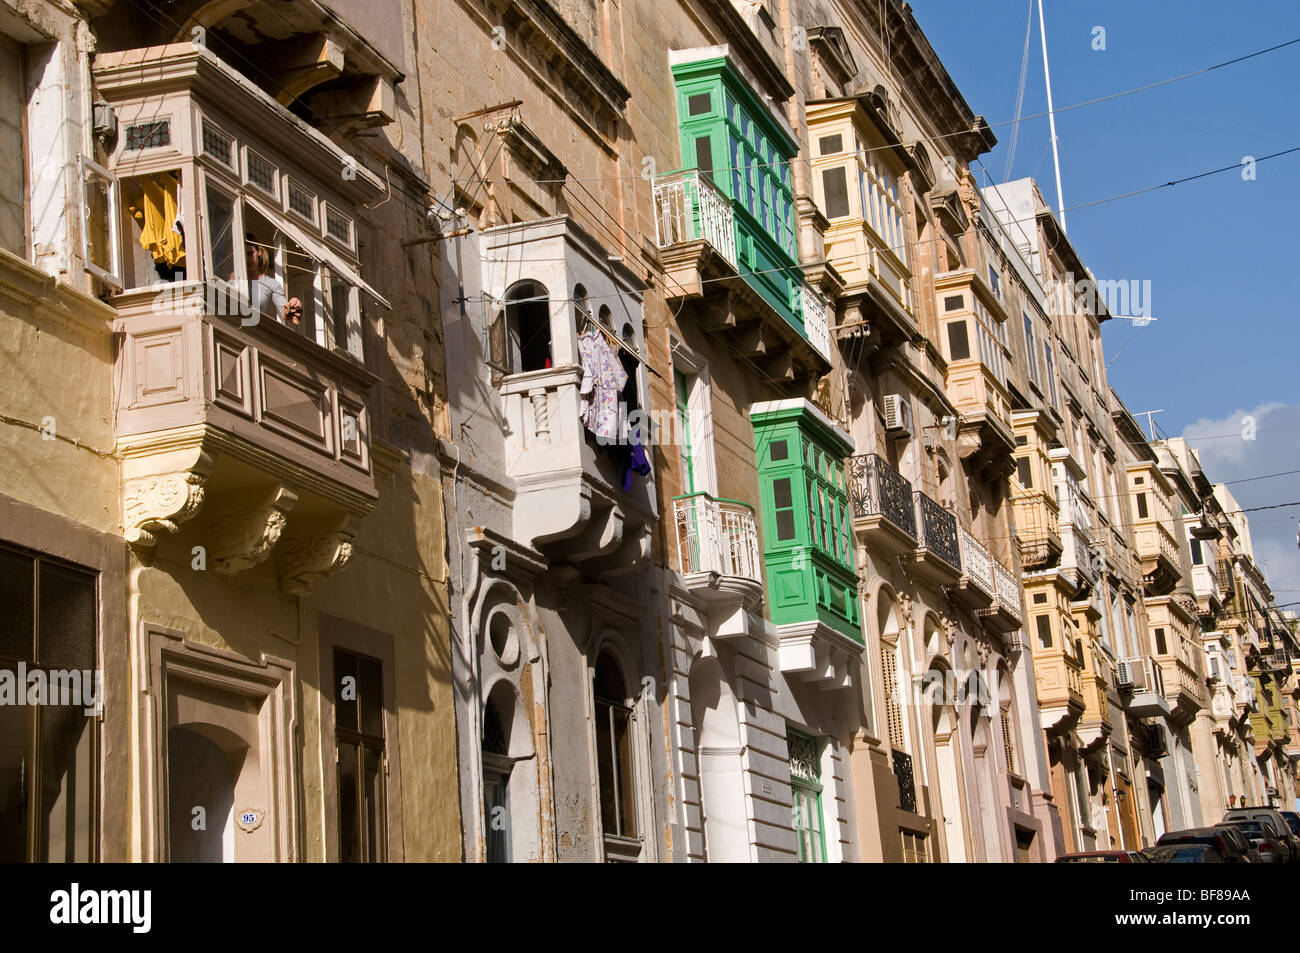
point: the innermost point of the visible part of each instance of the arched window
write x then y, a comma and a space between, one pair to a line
520, 338
498, 718
618, 809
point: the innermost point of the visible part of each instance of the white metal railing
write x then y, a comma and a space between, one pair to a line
976, 562
717, 536
689, 207
816, 321
1008, 588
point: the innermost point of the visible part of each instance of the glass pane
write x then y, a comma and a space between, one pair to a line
958, 342
66, 785
370, 692
699, 104
341, 306
221, 235
626, 792
496, 817
17, 573
605, 769
349, 816
66, 638
781, 494
13, 781
345, 691
300, 281
376, 830
836, 189
779, 451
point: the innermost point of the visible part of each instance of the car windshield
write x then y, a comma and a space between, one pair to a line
1251, 828
1179, 854
1293, 821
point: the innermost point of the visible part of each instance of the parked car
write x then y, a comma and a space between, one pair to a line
1222, 841
1243, 842
1103, 857
1275, 817
1292, 819
1272, 849
1184, 854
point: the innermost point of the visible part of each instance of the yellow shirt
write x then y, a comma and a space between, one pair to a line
159, 235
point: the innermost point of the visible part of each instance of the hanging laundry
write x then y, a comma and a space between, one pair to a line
159, 218
603, 378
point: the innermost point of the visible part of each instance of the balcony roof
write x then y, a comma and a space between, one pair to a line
772, 411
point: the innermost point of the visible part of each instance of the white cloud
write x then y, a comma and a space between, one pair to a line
1227, 456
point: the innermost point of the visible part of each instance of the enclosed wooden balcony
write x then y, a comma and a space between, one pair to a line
1058, 675
782, 325
1038, 529
884, 515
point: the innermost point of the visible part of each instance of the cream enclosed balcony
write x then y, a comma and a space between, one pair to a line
1007, 612
1038, 528
937, 557
1058, 676
719, 558
1155, 535
1205, 584
857, 166
223, 232
977, 587
549, 286
884, 515
766, 312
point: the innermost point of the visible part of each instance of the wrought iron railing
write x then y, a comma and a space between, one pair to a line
816, 321
906, 780
976, 563
938, 530
717, 536
877, 489
688, 207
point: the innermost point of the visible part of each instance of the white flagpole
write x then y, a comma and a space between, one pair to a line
1051, 118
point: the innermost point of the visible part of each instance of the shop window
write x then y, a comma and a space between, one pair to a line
48, 750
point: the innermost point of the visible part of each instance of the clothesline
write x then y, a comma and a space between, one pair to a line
589, 322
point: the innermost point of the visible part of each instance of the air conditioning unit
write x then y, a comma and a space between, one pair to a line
1157, 743
898, 415
1131, 675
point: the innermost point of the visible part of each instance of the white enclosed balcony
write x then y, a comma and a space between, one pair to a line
546, 284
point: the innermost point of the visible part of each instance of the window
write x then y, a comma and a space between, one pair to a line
1044, 625
830, 145
914, 848
519, 339
1031, 348
806, 790
497, 766
217, 144
48, 751
1142, 506
618, 813
699, 104
13, 172
1198, 557
954, 302
783, 504
995, 283
1008, 739
359, 741
1025, 472
704, 155
682, 390
1162, 647
958, 341
835, 188
223, 264
893, 702
1049, 369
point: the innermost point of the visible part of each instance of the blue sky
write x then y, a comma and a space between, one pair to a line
1219, 252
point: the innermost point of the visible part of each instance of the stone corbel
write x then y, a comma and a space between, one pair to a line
244, 539
162, 501
309, 559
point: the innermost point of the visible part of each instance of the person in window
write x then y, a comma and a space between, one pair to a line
267, 294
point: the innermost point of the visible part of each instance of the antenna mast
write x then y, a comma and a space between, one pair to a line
1051, 117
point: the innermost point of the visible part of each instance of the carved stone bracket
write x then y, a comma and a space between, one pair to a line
245, 539
309, 559
162, 501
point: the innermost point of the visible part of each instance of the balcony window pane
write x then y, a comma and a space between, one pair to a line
302, 201
830, 145
836, 190
13, 172
699, 104
349, 816
1197, 556
1142, 506
261, 173
704, 154
1024, 470
338, 226
1044, 625
373, 787
1162, 648
154, 240
221, 235
958, 341
302, 281
217, 144
153, 134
